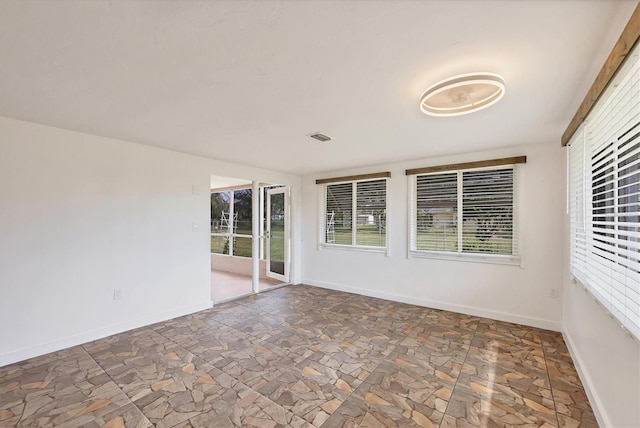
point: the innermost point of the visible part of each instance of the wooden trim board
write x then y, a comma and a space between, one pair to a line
467, 165
623, 46
354, 177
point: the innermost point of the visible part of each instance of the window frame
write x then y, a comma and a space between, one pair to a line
515, 258
322, 218
603, 234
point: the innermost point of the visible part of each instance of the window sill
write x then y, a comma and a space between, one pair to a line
467, 257
362, 249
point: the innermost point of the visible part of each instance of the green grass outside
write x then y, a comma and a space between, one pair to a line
446, 239
366, 235
242, 246
431, 238
437, 239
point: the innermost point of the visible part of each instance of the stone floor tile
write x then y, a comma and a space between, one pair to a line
508, 333
69, 353
478, 401
351, 358
308, 393
387, 404
301, 356
129, 351
256, 364
234, 314
72, 391
446, 362
210, 344
508, 368
264, 326
300, 343
447, 326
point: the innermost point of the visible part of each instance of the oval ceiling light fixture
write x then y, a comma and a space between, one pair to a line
462, 94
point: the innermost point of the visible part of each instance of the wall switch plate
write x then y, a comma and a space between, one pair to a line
195, 227
554, 293
117, 294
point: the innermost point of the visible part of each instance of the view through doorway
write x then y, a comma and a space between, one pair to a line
231, 237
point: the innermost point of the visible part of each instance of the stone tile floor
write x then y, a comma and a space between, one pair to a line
302, 356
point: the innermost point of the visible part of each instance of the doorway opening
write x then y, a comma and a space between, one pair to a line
232, 235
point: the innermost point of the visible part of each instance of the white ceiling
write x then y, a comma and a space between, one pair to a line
218, 182
246, 81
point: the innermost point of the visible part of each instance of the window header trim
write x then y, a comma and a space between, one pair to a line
385, 174
468, 165
620, 51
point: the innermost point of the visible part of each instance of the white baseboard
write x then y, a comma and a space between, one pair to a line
594, 399
78, 339
469, 310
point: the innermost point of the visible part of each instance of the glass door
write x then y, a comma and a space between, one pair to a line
277, 234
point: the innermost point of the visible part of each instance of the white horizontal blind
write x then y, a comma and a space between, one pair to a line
606, 170
436, 212
367, 227
371, 213
339, 214
601, 231
488, 212
578, 240
487, 200
627, 276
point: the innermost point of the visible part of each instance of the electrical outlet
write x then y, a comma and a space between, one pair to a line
117, 294
554, 293
195, 227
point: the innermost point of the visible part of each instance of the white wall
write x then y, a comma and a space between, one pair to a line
82, 215
512, 293
606, 357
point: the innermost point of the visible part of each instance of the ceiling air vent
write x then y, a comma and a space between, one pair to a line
320, 137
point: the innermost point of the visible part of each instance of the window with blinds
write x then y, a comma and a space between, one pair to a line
465, 212
604, 198
437, 212
355, 214
487, 211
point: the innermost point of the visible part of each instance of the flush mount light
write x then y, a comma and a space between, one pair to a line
462, 94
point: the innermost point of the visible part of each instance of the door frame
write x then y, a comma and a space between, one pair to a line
267, 236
